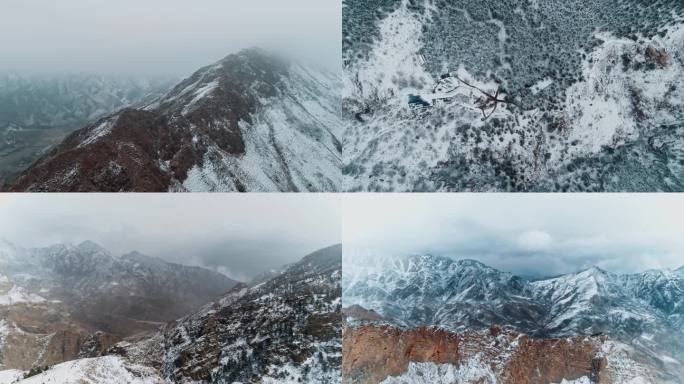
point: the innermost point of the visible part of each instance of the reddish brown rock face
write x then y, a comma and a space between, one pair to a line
126, 160
375, 352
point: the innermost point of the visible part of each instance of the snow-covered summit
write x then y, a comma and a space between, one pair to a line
434, 290
249, 122
286, 329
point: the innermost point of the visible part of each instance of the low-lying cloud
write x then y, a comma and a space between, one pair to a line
241, 235
531, 234
160, 36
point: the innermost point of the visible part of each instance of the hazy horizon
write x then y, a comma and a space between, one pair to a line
160, 37
535, 235
240, 235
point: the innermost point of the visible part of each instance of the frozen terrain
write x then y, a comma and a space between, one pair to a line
251, 122
641, 313
594, 105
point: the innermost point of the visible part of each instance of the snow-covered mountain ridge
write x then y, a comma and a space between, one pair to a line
38, 111
250, 122
643, 310
284, 329
29, 101
119, 295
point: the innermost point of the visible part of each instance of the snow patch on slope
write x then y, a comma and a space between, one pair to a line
394, 66
101, 370
102, 130
10, 376
472, 371
581, 380
4, 332
199, 94
313, 370
17, 295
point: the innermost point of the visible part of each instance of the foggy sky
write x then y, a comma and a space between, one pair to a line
240, 235
160, 36
528, 234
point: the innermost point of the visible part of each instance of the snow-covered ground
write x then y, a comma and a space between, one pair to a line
625, 92
430, 373
601, 108
581, 380
101, 370
10, 376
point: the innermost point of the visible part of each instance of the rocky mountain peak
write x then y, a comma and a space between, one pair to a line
91, 247
594, 272
249, 122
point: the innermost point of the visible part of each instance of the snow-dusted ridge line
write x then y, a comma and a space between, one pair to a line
641, 309
100, 370
252, 122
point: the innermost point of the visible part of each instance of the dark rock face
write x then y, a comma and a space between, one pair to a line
203, 118
286, 328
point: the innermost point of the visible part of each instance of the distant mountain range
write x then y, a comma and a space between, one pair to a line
55, 304
38, 111
84, 291
250, 122
644, 311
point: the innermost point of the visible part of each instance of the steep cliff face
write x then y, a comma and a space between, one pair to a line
381, 353
250, 122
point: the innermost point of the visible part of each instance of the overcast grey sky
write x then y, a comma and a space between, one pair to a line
238, 234
160, 36
529, 234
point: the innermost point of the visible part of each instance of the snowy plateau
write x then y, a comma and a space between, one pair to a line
460, 319
513, 95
